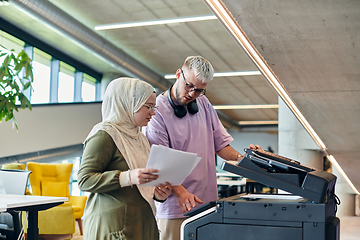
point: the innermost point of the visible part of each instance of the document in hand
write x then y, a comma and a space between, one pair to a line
173, 165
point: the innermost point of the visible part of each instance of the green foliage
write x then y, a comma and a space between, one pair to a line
13, 81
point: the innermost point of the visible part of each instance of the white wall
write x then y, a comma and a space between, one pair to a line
47, 127
244, 139
60, 125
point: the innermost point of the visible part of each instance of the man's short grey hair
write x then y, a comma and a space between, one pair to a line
203, 69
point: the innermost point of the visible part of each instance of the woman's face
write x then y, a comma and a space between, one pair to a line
144, 114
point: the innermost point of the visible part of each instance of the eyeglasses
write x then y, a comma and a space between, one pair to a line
190, 87
151, 108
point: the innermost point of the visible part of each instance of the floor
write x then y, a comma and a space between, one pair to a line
77, 235
349, 229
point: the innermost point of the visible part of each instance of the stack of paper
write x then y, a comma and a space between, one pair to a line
173, 165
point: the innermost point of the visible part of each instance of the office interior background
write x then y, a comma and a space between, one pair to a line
286, 74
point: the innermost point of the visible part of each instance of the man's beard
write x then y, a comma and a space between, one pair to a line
178, 98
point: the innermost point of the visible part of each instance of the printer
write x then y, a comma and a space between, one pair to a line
307, 213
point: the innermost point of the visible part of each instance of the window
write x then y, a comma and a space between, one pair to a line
11, 42
66, 83
88, 88
41, 71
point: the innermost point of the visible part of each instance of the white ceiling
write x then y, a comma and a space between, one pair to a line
312, 47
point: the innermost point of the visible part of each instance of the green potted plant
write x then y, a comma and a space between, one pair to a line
13, 81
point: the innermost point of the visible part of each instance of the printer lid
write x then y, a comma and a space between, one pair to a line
283, 173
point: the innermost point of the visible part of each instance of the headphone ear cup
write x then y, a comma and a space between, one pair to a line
193, 107
180, 111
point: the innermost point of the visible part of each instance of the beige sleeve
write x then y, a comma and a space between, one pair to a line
124, 179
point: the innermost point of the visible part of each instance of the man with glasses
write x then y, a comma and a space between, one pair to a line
186, 121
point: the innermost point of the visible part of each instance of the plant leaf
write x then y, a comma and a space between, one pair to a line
10, 78
6, 61
27, 85
22, 99
2, 72
2, 104
15, 124
2, 115
19, 66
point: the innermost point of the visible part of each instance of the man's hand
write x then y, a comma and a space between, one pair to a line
162, 191
187, 200
254, 147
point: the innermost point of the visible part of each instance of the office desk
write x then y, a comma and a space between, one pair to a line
32, 204
230, 184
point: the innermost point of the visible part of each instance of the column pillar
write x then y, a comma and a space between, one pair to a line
78, 79
345, 194
54, 80
295, 142
30, 52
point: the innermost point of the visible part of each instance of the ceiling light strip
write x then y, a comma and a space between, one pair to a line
232, 74
269, 122
235, 30
245, 107
154, 22
224, 74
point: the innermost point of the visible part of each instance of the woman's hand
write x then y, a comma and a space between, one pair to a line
162, 191
143, 175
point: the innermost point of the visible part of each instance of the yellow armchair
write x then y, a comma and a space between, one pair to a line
55, 223
16, 166
48, 179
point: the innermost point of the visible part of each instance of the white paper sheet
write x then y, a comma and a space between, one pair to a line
173, 165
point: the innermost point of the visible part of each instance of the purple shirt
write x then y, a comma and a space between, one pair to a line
201, 133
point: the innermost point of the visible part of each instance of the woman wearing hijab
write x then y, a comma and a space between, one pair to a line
113, 166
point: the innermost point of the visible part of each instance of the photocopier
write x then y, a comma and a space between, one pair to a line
307, 213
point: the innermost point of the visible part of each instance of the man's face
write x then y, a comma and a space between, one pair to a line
188, 86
